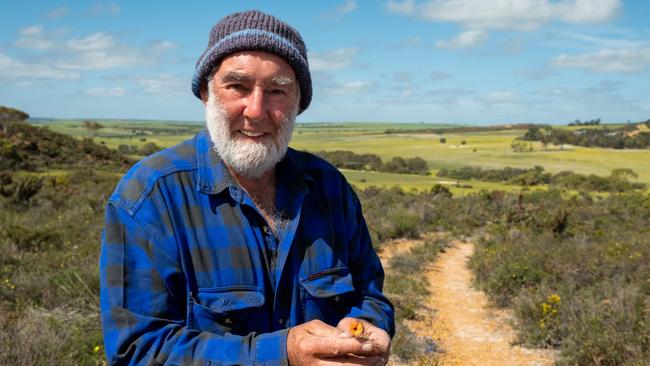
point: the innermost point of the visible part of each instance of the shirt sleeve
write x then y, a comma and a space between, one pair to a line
143, 298
367, 272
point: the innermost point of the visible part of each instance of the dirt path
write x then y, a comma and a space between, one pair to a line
461, 322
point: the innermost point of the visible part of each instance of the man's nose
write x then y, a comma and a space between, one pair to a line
255, 104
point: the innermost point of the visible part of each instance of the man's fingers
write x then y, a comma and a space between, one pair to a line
351, 360
338, 346
321, 329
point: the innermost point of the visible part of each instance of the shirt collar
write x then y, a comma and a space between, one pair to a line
214, 177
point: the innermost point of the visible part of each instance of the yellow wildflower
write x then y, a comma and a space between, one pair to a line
356, 329
553, 299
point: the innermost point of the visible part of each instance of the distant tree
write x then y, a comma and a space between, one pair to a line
92, 125
623, 174
463, 142
521, 146
443, 140
148, 149
417, 165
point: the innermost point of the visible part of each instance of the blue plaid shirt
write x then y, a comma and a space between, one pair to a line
191, 274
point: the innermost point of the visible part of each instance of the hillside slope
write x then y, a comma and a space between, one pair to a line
26, 147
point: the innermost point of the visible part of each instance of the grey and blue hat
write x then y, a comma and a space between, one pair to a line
253, 30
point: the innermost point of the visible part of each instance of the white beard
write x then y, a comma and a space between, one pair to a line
246, 158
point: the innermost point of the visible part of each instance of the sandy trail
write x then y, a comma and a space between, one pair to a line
459, 319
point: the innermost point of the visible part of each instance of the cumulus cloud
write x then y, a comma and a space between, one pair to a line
33, 37
507, 14
332, 60
100, 51
351, 87
105, 92
470, 38
51, 56
621, 60
500, 98
348, 7
164, 85
59, 12
94, 42
15, 70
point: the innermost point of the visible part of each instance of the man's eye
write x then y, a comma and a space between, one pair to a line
279, 92
237, 87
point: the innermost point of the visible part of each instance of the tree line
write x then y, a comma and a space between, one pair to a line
618, 181
628, 137
344, 159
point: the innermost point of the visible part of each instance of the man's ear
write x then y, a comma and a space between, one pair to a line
204, 93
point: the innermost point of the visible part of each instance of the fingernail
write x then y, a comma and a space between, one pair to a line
346, 335
367, 347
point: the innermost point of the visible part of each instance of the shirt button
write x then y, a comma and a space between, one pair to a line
228, 321
280, 321
265, 229
337, 298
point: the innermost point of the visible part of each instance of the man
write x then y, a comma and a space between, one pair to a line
231, 248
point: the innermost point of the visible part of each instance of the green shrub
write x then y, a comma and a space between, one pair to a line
33, 240
27, 187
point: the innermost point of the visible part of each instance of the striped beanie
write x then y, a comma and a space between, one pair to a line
256, 31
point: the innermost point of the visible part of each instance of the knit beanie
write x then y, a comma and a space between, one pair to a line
255, 31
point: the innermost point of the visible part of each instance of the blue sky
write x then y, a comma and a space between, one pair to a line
439, 61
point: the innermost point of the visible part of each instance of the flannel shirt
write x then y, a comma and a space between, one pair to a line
190, 273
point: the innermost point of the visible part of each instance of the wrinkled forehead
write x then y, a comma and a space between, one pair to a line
248, 66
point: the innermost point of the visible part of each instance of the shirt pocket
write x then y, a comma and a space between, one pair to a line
232, 309
327, 295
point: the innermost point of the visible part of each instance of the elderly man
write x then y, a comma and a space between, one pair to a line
231, 248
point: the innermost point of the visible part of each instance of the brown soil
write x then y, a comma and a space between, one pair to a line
462, 323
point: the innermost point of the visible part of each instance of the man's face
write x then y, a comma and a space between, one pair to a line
250, 110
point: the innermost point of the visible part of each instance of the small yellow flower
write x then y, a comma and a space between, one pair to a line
356, 329
96, 349
553, 299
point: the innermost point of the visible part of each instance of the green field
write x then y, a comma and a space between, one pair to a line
488, 150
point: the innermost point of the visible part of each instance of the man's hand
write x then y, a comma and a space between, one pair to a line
316, 343
378, 337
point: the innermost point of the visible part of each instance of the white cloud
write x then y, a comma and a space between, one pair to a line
104, 8
500, 98
332, 60
101, 91
19, 71
163, 46
54, 57
622, 60
100, 51
34, 30
507, 14
348, 7
466, 39
93, 42
103, 59
59, 12
33, 37
351, 87
164, 85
